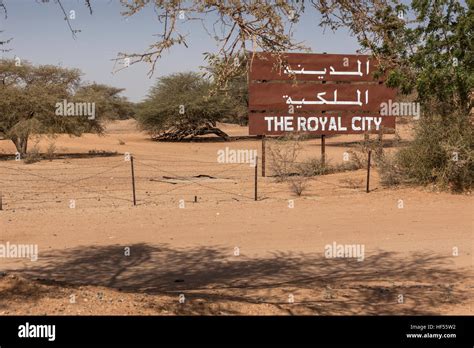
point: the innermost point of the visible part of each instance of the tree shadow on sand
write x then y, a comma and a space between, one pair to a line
320, 286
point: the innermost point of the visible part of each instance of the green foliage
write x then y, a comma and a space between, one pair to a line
180, 105
429, 51
109, 103
441, 153
438, 56
29, 95
443, 63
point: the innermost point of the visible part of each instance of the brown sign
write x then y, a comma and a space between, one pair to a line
316, 93
309, 96
312, 67
318, 123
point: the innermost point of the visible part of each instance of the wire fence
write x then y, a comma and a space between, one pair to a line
109, 182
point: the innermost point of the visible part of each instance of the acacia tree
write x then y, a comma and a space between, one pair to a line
180, 106
112, 105
28, 99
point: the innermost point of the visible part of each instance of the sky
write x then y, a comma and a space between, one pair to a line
41, 35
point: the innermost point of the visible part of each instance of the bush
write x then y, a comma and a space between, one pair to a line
51, 151
284, 155
389, 171
442, 153
315, 166
357, 159
33, 155
298, 184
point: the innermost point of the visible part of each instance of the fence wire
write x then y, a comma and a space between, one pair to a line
76, 183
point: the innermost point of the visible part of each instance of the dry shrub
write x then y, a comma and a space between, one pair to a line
441, 153
283, 156
390, 174
357, 159
315, 166
33, 156
298, 184
51, 151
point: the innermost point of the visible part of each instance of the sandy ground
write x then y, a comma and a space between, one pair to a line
198, 243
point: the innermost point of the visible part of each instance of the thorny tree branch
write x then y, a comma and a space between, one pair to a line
264, 24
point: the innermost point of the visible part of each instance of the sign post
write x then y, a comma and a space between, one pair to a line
263, 155
256, 179
321, 94
323, 150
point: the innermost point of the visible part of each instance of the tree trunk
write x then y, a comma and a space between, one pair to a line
21, 144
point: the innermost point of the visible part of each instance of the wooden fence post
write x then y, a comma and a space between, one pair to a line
256, 176
133, 181
368, 171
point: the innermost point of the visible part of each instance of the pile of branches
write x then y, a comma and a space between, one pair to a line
179, 134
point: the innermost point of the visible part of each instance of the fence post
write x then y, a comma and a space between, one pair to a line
263, 155
256, 176
323, 149
368, 171
133, 181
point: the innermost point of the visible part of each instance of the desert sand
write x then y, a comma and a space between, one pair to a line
198, 243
